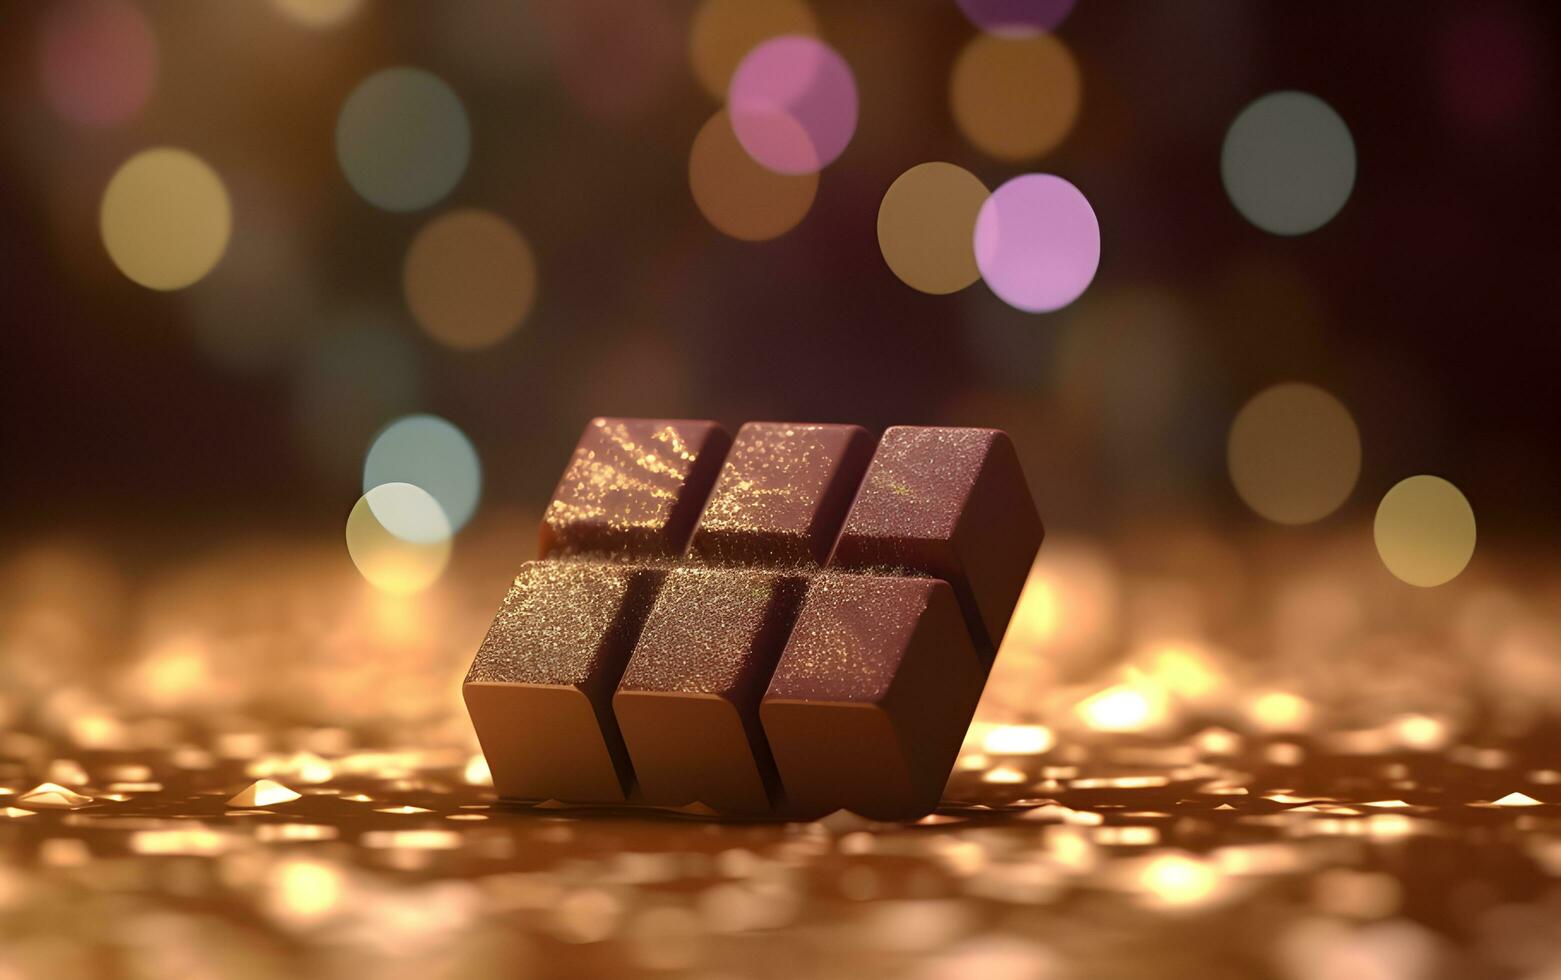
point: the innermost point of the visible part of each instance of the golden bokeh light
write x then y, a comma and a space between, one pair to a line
1280, 711
738, 196
1294, 453
1425, 531
1015, 98
318, 13
393, 537
469, 279
165, 218
1179, 880
723, 31
926, 226
303, 891
1123, 708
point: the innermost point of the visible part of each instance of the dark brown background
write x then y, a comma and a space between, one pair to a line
1427, 305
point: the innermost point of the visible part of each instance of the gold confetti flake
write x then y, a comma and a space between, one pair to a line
52, 796
263, 792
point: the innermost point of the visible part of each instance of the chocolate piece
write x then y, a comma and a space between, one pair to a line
951, 503
656, 657
782, 493
871, 698
540, 689
688, 704
633, 488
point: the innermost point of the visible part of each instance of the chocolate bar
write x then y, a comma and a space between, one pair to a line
817, 639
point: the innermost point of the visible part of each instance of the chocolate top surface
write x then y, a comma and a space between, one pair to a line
849, 637
558, 623
782, 492
628, 478
700, 635
919, 481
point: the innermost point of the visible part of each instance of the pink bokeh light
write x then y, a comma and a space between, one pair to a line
793, 104
1037, 243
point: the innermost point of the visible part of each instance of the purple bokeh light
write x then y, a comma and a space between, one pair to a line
1037, 243
1016, 18
793, 104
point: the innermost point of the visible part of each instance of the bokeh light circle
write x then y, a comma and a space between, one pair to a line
432, 454
469, 278
926, 227
1015, 98
318, 13
377, 540
165, 218
1425, 531
723, 31
1294, 453
1037, 242
1016, 18
1288, 163
97, 60
403, 139
737, 195
793, 104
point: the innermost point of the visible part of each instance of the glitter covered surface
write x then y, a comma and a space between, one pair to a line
688, 705
883, 665
633, 487
849, 637
714, 631
782, 493
565, 623
1189, 760
952, 503
919, 481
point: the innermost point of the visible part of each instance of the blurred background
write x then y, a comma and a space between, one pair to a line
245, 399
1267, 316
307, 302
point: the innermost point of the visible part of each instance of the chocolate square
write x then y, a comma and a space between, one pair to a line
633, 488
688, 705
539, 693
953, 504
782, 493
871, 698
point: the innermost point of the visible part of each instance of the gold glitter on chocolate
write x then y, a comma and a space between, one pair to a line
714, 631
782, 493
689, 701
539, 691
883, 665
951, 503
633, 488
562, 623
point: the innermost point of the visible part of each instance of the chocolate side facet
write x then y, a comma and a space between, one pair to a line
539, 692
688, 704
782, 494
872, 696
633, 488
951, 503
